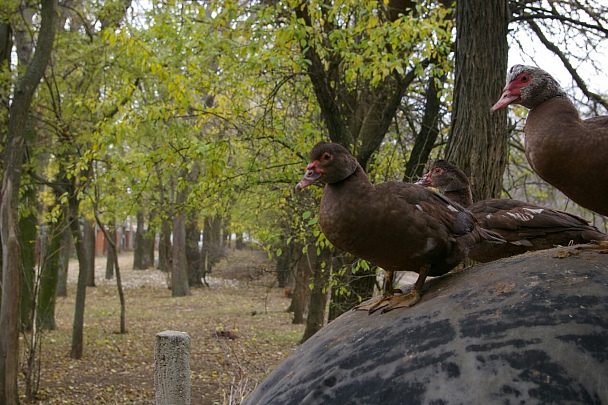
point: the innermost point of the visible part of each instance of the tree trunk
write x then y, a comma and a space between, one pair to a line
140, 248
226, 236
89, 243
14, 156
28, 225
11, 294
212, 242
179, 274
6, 47
193, 252
239, 244
283, 266
81, 287
64, 261
301, 291
48, 277
112, 247
112, 252
478, 141
149, 237
318, 295
164, 247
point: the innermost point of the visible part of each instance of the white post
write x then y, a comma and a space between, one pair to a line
172, 368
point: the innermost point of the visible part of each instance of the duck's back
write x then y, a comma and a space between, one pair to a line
397, 226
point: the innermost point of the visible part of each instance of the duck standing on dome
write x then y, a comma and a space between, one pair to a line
396, 226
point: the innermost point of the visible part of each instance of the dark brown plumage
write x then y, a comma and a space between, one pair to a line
394, 225
524, 226
567, 152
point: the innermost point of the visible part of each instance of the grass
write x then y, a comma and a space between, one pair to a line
119, 368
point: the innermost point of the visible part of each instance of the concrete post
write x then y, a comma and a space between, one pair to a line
172, 368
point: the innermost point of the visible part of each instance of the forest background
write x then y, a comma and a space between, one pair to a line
195, 118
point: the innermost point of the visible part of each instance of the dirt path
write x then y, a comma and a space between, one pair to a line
118, 369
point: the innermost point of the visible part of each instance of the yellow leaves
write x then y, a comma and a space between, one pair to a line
372, 22
156, 69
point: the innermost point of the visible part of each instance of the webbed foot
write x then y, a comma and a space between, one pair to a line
402, 301
388, 302
600, 245
373, 305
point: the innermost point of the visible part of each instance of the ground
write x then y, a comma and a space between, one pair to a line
239, 331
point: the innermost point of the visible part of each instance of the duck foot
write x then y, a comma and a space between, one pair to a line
375, 304
388, 302
402, 301
372, 305
600, 245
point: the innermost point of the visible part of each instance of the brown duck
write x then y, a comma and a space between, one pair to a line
569, 153
524, 226
396, 226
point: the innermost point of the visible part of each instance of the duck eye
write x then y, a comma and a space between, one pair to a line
326, 156
525, 78
437, 170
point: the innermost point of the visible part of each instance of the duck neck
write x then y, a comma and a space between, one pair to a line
461, 196
357, 179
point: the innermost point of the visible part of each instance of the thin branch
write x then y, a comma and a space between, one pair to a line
556, 17
557, 51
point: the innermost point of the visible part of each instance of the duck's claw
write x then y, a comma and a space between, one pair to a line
389, 301
373, 305
401, 301
600, 245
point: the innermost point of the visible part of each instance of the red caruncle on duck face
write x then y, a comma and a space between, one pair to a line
512, 92
313, 172
427, 179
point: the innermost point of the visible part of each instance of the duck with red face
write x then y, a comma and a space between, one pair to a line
566, 151
396, 226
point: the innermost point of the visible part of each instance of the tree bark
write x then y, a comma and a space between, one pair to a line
6, 46
239, 244
319, 294
81, 286
28, 233
179, 274
193, 252
112, 239
212, 242
164, 247
478, 141
283, 264
14, 156
49, 276
64, 261
112, 247
89, 243
140, 246
301, 291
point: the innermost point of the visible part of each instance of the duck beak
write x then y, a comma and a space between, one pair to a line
312, 175
425, 180
508, 97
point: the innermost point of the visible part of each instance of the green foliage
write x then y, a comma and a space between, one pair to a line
213, 98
